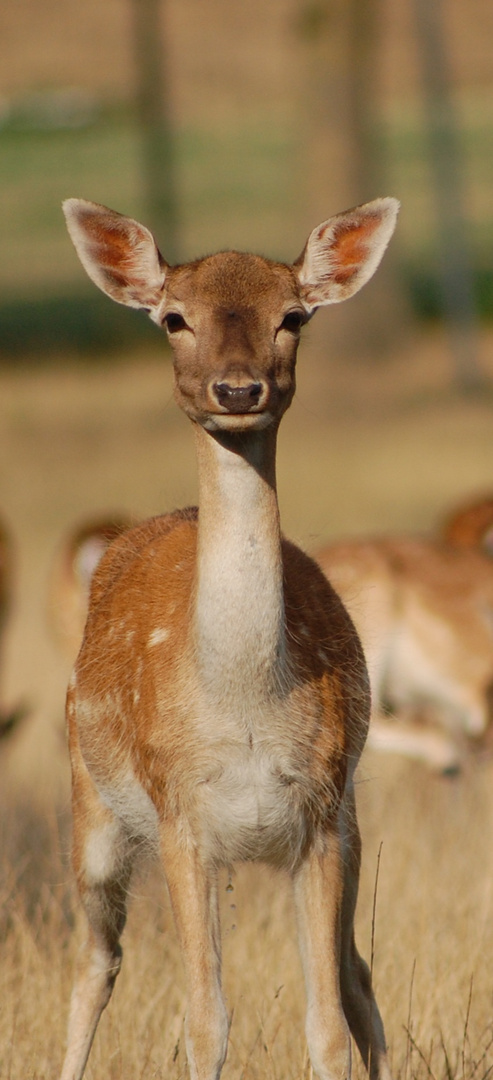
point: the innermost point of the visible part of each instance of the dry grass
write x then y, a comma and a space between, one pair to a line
433, 941
74, 442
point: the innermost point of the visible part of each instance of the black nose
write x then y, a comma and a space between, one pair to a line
238, 399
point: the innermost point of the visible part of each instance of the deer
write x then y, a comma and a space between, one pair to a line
220, 700
423, 608
74, 563
470, 525
9, 717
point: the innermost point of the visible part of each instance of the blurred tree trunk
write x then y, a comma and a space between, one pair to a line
364, 147
155, 126
344, 160
455, 270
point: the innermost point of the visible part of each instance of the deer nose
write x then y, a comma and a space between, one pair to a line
238, 399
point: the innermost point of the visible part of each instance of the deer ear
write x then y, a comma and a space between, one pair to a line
119, 255
342, 253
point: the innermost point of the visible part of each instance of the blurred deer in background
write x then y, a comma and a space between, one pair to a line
424, 611
9, 718
470, 525
219, 704
72, 572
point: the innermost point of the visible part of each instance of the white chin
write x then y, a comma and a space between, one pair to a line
237, 421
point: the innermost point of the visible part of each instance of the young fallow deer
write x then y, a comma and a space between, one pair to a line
220, 703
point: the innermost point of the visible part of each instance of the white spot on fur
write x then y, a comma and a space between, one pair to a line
157, 637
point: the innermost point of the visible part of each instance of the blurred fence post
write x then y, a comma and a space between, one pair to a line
155, 125
344, 153
363, 61
385, 311
456, 275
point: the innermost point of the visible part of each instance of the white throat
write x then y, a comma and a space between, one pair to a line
239, 613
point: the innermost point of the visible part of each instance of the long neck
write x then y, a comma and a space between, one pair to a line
239, 614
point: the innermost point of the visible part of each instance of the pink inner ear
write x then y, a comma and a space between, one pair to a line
350, 245
110, 245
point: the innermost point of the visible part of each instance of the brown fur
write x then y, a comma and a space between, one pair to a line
71, 574
470, 525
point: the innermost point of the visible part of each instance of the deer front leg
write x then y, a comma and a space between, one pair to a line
318, 890
193, 893
102, 864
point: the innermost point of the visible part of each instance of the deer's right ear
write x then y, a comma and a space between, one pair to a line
118, 253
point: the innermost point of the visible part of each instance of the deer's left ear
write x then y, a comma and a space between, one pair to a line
118, 253
343, 253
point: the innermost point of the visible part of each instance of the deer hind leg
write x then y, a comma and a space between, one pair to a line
318, 891
358, 999
193, 893
102, 863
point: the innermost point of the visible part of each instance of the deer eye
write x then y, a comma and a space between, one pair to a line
292, 322
174, 322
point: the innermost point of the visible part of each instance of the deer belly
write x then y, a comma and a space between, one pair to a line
249, 808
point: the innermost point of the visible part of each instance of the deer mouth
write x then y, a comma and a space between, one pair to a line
229, 421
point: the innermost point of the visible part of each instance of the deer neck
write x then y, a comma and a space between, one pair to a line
239, 603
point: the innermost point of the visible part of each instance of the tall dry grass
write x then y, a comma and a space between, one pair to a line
428, 919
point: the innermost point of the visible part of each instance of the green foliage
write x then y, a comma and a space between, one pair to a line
55, 326
426, 295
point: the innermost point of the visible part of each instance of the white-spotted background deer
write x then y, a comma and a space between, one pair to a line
220, 703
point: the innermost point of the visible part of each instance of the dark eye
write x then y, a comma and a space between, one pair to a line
293, 322
174, 322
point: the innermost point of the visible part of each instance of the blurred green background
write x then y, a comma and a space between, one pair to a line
272, 117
